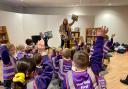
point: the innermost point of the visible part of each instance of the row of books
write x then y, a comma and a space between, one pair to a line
91, 32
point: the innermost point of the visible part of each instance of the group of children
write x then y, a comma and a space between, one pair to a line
34, 66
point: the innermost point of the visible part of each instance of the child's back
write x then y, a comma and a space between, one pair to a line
81, 77
8, 64
78, 80
65, 64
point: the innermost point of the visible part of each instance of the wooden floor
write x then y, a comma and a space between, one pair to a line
118, 69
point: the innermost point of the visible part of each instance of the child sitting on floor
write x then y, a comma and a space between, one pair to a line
81, 45
38, 60
20, 51
82, 77
86, 72
65, 64
96, 54
7, 53
27, 72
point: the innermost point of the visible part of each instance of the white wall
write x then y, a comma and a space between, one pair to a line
23, 26
13, 22
33, 24
116, 21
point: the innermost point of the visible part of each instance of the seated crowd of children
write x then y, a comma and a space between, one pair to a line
35, 67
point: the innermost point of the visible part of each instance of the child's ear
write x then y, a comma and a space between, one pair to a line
73, 66
27, 74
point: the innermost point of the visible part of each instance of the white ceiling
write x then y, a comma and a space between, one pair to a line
64, 3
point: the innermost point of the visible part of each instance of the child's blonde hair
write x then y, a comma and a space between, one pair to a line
59, 49
66, 53
10, 45
81, 59
20, 47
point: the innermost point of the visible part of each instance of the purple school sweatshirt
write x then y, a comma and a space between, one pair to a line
81, 80
107, 46
55, 62
43, 80
64, 67
82, 46
97, 55
20, 55
8, 63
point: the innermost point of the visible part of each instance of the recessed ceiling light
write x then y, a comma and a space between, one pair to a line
76, 5
109, 4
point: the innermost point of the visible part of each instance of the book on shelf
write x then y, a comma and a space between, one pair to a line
93, 32
88, 40
77, 35
89, 32
3, 35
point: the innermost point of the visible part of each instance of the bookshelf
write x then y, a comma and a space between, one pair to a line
3, 35
75, 34
91, 34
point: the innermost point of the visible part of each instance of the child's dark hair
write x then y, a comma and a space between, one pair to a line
37, 58
28, 41
23, 67
66, 53
81, 59
32, 63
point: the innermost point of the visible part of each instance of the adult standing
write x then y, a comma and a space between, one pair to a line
65, 32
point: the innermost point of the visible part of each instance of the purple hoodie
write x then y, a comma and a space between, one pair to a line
97, 55
8, 63
43, 80
83, 80
55, 62
64, 67
82, 46
78, 80
20, 55
107, 46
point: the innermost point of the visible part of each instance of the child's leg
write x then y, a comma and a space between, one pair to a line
7, 84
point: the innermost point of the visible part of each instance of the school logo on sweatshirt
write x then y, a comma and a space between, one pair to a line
84, 85
66, 68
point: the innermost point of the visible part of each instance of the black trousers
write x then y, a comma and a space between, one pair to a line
46, 43
7, 84
66, 42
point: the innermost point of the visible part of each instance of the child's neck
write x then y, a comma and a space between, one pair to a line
80, 70
68, 59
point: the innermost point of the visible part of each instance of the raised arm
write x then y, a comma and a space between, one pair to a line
97, 54
42, 81
70, 24
5, 54
97, 50
108, 44
76, 44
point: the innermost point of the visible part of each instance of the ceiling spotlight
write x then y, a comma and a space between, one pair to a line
75, 5
109, 4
